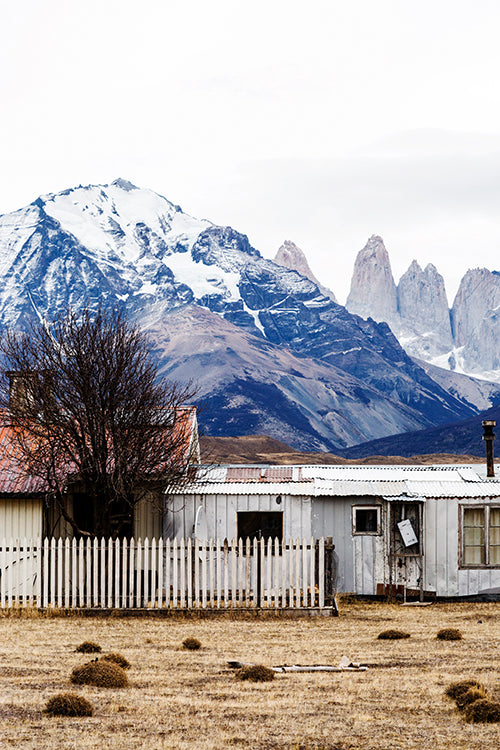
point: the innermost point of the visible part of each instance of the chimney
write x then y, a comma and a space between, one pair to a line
489, 436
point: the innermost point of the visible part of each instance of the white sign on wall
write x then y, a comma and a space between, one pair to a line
407, 532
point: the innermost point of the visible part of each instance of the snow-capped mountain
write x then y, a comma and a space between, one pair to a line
274, 344
465, 339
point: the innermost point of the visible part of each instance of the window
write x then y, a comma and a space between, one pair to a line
480, 537
366, 519
260, 525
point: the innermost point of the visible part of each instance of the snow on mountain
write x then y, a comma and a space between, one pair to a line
475, 318
119, 244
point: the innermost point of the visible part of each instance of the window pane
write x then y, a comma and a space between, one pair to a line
494, 536
473, 537
365, 520
474, 552
474, 517
474, 556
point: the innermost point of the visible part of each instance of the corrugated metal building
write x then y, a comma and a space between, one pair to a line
433, 529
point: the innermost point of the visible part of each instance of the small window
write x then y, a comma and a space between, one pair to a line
366, 519
480, 537
260, 525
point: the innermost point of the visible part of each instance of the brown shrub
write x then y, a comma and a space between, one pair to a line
392, 635
456, 689
483, 710
68, 704
256, 673
88, 647
192, 644
449, 634
117, 659
471, 695
100, 673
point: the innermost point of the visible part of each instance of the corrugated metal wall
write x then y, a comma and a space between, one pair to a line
360, 558
20, 519
221, 512
441, 551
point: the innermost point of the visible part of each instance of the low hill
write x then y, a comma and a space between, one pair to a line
260, 449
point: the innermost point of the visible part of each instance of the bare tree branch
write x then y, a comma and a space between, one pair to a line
86, 405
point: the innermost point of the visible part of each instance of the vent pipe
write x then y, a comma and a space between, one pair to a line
488, 437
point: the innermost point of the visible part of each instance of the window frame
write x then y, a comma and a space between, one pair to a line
486, 508
377, 508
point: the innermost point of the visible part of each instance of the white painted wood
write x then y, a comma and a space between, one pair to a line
116, 566
197, 573
225, 567
95, 573
241, 573
88, 572
59, 573
233, 573
321, 573
38, 585
145, 566
167, 558
52, 588
189, 573
182, 561
74, 573
124, 570
138, 573
45, 598
262, 558
204, 573
175, 581
161, 581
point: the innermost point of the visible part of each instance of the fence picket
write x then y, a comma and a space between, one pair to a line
240, 573
154, 582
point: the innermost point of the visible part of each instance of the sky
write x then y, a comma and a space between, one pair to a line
321, 122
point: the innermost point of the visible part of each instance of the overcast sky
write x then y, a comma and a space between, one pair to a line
321, 122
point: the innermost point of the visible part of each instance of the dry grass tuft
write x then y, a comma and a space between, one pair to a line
88, 647
191, 644
471, 695
449, 634
100, 673
392, 635
69, 704
456, 689
116, 659
483, 710
256, 673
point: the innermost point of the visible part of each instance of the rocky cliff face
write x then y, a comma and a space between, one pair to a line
466, 339
424, 318
373, 291
292, 257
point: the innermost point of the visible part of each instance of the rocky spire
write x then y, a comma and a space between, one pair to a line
423, 308
292, 257
373, 291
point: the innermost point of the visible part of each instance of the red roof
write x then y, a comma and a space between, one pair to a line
16, 479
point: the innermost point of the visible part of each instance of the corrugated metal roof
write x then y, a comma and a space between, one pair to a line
14, 475
343, 481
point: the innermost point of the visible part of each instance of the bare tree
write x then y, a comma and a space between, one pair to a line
89, 411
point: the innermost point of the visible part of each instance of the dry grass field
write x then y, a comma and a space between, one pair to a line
190, 699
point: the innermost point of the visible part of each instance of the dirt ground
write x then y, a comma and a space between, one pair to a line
191, 699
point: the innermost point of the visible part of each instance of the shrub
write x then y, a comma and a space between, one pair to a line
483, 710
100, 673
392, 635
470, 695
88, 647
68, 704
456, 689
117, 659
449, 634
256, 673
192, 644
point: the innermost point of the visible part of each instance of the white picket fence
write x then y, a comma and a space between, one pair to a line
178, 574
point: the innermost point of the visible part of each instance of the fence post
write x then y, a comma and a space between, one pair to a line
330, 575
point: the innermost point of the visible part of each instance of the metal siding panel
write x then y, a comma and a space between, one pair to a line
21, 518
